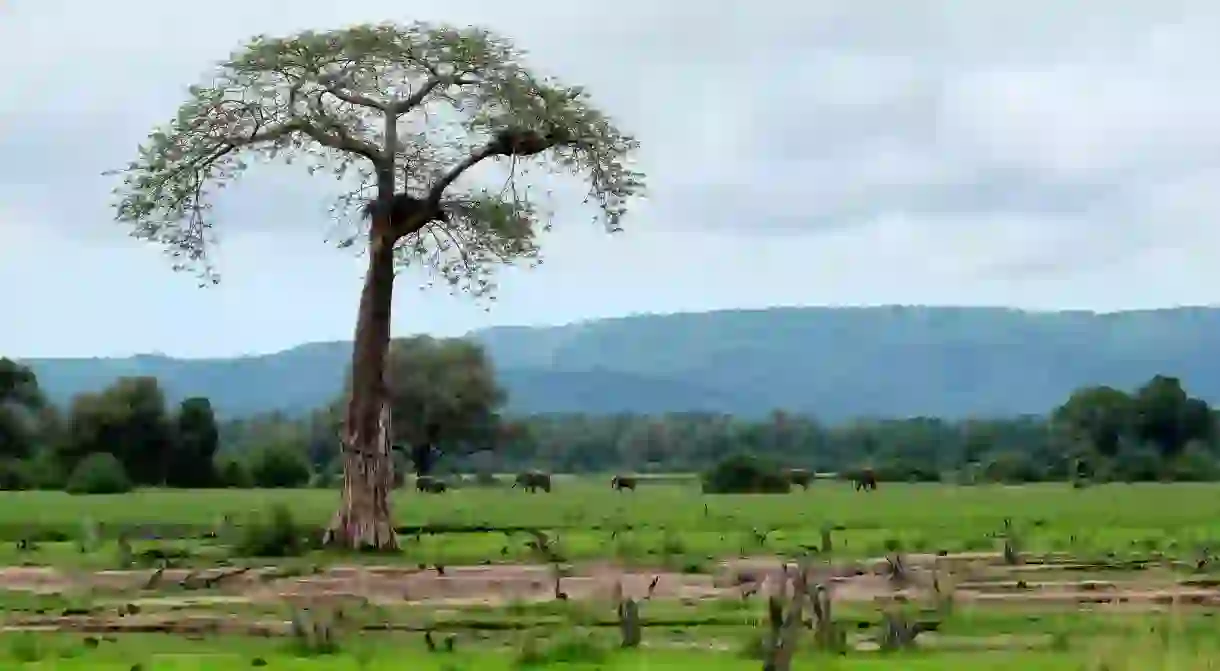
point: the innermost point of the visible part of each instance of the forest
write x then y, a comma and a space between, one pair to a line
449, 417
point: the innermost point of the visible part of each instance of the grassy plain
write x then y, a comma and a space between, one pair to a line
1073, 602
370, 653
678, 520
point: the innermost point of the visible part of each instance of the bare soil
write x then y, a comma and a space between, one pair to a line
978, 578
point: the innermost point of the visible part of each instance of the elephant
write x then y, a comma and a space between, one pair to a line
532, 481
621, 482
430, 485
865, 479
800, 476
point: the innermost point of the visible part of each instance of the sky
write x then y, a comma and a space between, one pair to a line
1041, 154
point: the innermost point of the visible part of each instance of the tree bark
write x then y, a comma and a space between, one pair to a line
364, 520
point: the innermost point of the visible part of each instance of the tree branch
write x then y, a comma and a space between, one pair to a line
412, 101
332, 86
355, 98
508, 142
416, 99
257, 137
438, 189
338, 137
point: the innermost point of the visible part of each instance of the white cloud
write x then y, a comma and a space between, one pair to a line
1037, 154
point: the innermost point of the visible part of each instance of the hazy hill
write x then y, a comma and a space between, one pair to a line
834, 362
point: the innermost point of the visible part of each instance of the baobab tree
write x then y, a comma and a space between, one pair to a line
401, 114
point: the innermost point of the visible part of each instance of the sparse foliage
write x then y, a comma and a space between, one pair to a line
460, 96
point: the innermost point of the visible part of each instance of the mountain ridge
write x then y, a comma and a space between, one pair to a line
834, 362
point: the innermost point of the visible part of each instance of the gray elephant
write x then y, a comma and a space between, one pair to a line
430, 485
800, 477
621, 482
532, 481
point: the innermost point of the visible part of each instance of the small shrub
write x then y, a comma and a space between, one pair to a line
277, 535
694, 567
577, 647
279, 466
44, 471
98, 473
746, 474
1194, 464
753, 645
1012, 468
672, 543
312, 634
26, 648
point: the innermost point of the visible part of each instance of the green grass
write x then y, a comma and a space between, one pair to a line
571, 651
675, 521
665, 521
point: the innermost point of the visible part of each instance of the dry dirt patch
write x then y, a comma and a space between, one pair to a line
982, 579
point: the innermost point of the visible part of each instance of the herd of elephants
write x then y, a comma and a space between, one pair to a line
535, 481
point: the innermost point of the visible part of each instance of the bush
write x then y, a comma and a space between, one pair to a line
233, 473
1011, 468
1134, 463
746, 474
279, 466
577, 647
13, 476
98, 473
898, 471
276, 535
42, 471
1194, 464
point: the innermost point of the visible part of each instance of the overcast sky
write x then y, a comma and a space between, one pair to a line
1036, 154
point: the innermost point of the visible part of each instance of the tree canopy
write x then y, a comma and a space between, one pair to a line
430, 100
1103, 423
130, 420
20, 402
444, 398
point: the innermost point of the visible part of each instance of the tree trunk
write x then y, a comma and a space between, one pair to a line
364, 519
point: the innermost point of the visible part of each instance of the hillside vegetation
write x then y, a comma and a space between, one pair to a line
834, 363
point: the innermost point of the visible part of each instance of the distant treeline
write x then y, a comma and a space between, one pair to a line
127, 435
